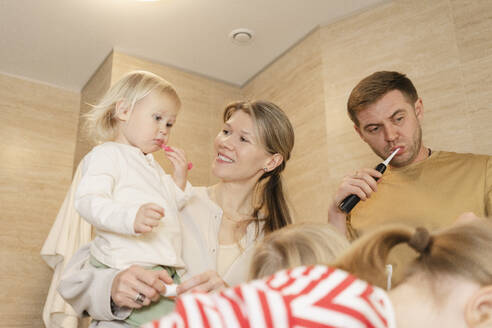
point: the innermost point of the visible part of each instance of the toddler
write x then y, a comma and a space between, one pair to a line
124, 193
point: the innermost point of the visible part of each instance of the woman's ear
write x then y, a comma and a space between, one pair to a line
273, 162
122, 111
478, 312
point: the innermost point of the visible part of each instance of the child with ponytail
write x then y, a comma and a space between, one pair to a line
448, 285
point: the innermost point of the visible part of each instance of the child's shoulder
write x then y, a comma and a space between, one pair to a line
200, 192
107, 149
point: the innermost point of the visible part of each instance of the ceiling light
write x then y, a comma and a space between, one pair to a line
241, 36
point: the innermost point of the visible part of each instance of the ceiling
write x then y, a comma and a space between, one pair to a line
62, 42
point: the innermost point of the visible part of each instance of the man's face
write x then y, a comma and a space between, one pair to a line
390, 123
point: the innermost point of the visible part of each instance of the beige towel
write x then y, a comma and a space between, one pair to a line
68, 233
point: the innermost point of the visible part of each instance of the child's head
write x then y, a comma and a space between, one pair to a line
139, 110
295, 245
463, 249
453, 270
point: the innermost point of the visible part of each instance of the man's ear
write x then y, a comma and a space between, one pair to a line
419, 109
478, 311
122, 111
273, 162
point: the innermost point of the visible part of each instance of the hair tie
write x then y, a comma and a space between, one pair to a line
421, 240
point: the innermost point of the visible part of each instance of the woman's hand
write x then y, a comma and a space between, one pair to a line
180, 163
209, 281
128, 284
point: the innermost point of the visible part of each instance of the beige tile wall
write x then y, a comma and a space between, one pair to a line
295, 83
38, 126
91, 93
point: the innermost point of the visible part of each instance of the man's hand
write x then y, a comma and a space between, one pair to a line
361, 183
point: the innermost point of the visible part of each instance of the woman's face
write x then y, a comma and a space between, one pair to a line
240, 156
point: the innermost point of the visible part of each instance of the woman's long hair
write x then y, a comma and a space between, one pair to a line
276, 134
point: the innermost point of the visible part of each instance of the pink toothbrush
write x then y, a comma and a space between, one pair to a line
167, 148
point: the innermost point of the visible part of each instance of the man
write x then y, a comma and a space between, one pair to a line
422, 187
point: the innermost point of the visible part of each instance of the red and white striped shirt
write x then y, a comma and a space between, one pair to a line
315, 296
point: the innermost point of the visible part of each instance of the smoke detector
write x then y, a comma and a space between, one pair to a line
241, 36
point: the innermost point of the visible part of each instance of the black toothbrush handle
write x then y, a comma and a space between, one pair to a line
350, 201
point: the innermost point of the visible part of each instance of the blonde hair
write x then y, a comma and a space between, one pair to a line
101, 121
276, 134
295, 245
462, 250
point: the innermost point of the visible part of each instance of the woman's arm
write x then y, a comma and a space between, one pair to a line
94, 194
88, 290
91, 290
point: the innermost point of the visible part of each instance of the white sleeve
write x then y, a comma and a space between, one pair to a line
181, 197
93, 198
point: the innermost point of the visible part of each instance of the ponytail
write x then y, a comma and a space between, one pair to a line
367, 256
273, 203
462, 250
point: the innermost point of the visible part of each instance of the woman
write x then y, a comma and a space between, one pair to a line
220, 223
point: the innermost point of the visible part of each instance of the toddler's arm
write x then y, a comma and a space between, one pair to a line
93, 198
148, 217
180, 163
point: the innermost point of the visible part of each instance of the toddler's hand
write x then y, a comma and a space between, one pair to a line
148, 217
180, 163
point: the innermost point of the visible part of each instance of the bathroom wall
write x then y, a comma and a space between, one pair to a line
91, 93
38, 125
295, 83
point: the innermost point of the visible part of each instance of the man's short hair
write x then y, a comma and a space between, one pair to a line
374, 87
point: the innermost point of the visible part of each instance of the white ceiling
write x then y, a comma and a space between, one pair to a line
62, 42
